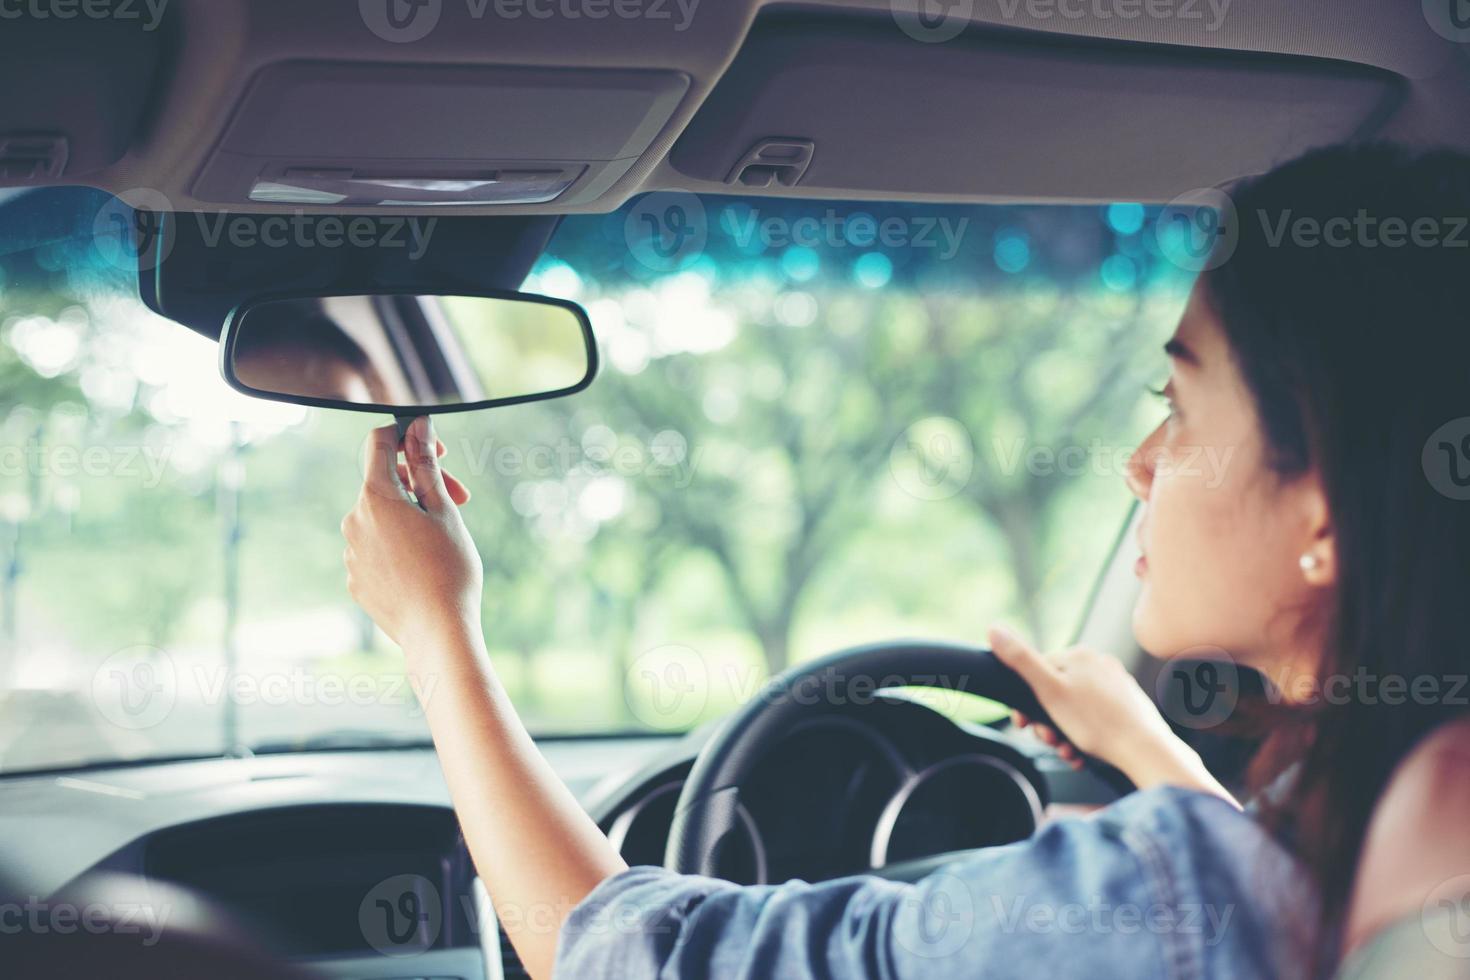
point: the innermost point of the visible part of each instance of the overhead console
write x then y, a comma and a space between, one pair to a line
852, 105
354, 135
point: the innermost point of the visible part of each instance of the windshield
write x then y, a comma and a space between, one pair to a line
817, 425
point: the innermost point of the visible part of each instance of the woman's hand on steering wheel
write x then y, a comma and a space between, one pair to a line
1096, 707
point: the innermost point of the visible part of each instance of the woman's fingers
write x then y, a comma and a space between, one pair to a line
1066, 751
382, 463
1041, 673
420, 448
458, 492
1021, 657
383, 459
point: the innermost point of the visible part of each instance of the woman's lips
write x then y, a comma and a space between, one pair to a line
1140, 566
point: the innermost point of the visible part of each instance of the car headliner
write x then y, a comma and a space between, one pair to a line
216, 49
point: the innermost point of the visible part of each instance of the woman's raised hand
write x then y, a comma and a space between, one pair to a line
412, 566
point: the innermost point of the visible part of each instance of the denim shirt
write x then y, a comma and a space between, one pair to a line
1164, 883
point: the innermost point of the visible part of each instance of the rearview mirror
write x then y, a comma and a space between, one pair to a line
406, 354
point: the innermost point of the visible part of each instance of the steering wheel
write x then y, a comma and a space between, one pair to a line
707, 810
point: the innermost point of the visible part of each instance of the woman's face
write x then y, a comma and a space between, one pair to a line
1222, 535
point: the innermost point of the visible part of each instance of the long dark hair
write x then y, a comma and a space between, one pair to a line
1354, 340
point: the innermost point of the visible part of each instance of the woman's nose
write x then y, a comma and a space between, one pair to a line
1139, 473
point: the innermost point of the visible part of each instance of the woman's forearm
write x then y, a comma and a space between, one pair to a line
536, 850
1170, 762
412, 565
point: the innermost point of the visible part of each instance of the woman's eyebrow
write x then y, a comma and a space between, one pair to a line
1176, 349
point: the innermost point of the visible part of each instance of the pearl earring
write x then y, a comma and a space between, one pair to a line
1310, 563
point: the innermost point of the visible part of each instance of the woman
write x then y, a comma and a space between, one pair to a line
1326, 358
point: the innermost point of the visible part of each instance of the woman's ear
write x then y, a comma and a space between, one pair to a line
1318, 559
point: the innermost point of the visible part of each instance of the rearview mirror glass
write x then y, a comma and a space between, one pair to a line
408, 354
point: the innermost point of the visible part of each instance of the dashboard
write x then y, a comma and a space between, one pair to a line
353, 863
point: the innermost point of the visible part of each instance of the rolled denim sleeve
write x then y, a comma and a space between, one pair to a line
1119, 893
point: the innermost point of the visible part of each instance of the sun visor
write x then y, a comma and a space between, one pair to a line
77, 81
857, 105
403, 136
